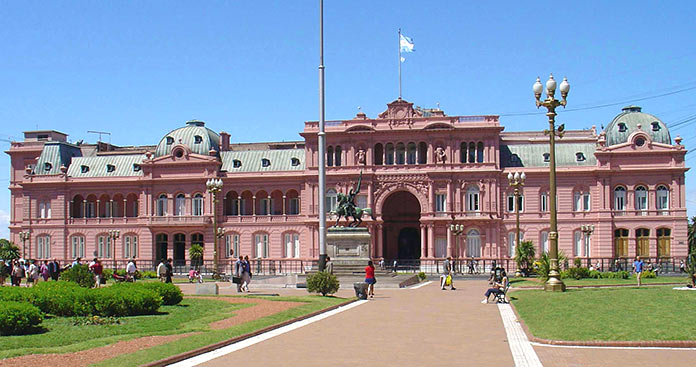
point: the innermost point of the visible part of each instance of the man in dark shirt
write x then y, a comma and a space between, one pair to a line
54, 269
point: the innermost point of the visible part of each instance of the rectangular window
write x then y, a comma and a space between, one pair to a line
235, 206
197, 206
179, 206
231, 245
544, 202
77, 248
512, 237
577, 243
441, 247
103, 247
89, 210
261, 245
45, 210
472, 202
662, 201
43, 250
294, 206
292, 245
544, 241
130, 246
577, 201
161, 207
511, 203
264, 206
586, 204
441, 203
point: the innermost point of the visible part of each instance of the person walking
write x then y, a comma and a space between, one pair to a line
32, 273
17, 274
98, 270
447, 272
43, 270
638, 267
246, 274
329, 265
161, 271
130, 270
239, 272
54, 269
168, 271
370, 279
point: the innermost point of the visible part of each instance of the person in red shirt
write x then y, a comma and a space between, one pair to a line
97, 269
370, 278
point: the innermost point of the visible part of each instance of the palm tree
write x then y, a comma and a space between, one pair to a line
524, 257
196, 254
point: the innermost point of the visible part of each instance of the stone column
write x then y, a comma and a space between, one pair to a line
431, 197
111, 205
253, 203
239, 206
284, 198
125, 208
450, 245
450, 199
431, 240
268, 205
380, 240
84, 208
424, 244
97, 213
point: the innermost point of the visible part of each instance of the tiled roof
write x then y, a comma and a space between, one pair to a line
252, 160
107, 166
532, 155
630, 118
54, 155
188, 135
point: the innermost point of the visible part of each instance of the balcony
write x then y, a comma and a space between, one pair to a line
275, 218
180, 220
104, 220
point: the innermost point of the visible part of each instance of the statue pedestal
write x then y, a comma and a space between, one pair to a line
348, 246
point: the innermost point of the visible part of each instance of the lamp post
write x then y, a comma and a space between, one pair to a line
457, 230
214, 186
554, 282
113, 235
587, 229
24, 236
516, 181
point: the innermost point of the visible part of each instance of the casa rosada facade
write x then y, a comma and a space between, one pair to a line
422, 172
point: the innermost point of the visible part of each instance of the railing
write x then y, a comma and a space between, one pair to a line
180, 219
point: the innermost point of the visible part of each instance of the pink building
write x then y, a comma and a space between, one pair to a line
422, 172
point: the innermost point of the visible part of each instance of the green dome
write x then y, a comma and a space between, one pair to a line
194, 135
626, 123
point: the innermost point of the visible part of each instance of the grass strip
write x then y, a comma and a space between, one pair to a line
535, 282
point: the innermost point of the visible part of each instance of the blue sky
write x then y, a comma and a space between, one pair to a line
140, 69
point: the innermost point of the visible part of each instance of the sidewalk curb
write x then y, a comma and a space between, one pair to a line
192, 353
603, 343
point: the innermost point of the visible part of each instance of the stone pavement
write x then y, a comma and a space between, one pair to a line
422, 327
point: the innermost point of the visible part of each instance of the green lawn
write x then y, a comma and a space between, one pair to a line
534, 282
192, 315
630, 313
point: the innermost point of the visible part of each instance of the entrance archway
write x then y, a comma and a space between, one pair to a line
401, 236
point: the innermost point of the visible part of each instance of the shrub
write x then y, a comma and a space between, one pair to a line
122, 300
524, 257
544, 264
322, 282
60, 298
107, 273
18, 317
422, 276
171, 294
595, 274
148, 274
648, 274
616, 274
122, 272
79, 274
577, 262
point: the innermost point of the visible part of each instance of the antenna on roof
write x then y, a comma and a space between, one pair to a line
100, 134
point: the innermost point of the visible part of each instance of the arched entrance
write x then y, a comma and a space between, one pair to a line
401, 235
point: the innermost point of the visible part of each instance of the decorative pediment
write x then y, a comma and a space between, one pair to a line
400, 112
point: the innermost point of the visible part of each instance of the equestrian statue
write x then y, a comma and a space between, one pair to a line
346, 207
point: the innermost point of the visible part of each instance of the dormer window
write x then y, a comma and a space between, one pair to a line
640, 141
579, 156
170, 140
110, 168
655, 126
179, 153
47, 166
547, 157
136, 167
265, 162
622, 127
84, 169
197, 139
236, 163
295, 162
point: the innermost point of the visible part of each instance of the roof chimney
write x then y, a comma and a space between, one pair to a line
224, 141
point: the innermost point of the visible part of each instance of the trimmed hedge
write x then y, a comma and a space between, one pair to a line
79, 274
171, 294
322, 282
18, 317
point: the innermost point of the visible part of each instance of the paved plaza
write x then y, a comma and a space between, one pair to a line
426, 326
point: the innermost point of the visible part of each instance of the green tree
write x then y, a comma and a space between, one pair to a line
524, 257
196, 254
322, 282
692, 235
8, 250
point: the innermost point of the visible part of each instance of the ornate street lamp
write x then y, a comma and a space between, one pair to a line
457, 230
24, 236
113, 235
587, 229
516, 181
214, 186
554, 282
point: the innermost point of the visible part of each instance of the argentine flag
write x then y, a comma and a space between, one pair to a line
406, 44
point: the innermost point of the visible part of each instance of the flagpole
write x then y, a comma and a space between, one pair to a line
322, 145
399, 44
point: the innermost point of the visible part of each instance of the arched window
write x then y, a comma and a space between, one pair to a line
197, 239
45, 209
642, 242
292, 245
422, 153
663, 242
473, 243
180, 205
198, 204
621, 242
329, 156
389, 154
130, 246
77, 246
479, 152
662, 198
331, 197
620, 198
400, 153
641, 198
581, 201
378, 154
162, 205
337, 160
411, 153
544, 202
43, 247
544, 240
261, 245
472, 199
462, 152
472, 152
